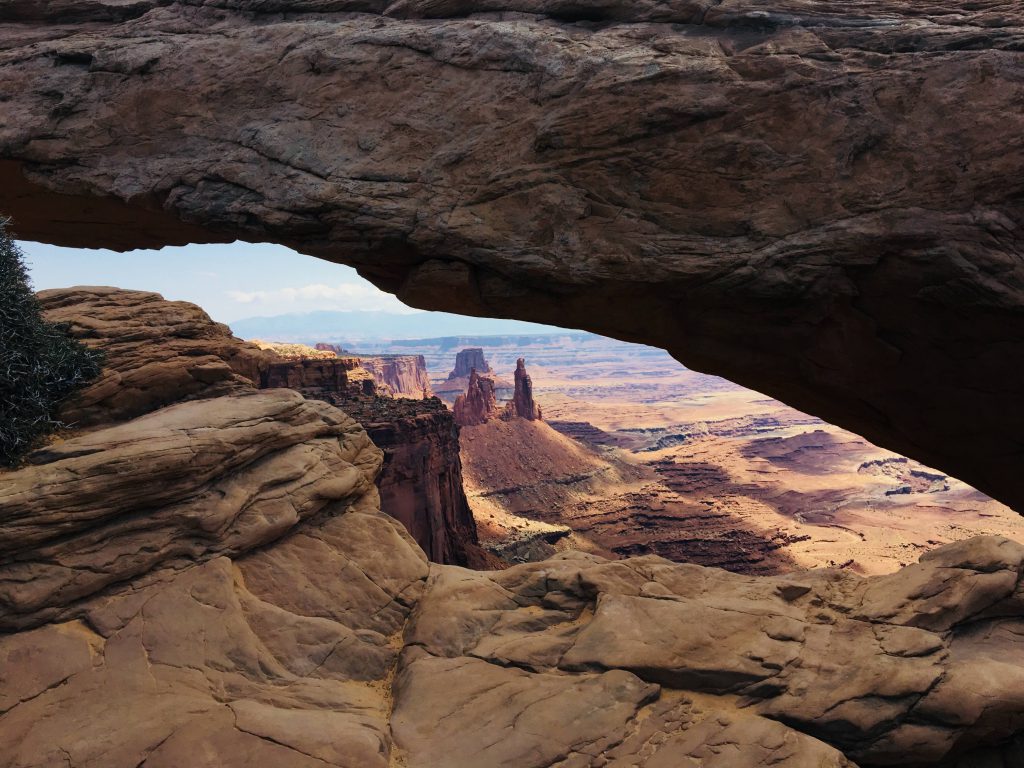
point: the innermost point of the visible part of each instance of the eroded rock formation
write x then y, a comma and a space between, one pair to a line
421, 481
213, 583
820, 201
157, 352
467, 361
401, 375
477, 405
522, 405
319, 377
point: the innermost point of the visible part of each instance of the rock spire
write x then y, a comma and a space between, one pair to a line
522, 403
478, 405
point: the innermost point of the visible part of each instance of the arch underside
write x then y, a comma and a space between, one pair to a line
823, 204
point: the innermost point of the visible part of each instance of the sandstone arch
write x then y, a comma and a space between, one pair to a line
823, 202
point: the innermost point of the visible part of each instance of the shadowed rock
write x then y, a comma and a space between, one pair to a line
821, 201
213, 583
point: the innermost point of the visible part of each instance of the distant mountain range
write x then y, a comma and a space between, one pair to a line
349, 328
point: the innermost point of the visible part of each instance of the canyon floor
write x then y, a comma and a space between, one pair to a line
639, 455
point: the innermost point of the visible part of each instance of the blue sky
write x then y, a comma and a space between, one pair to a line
228, 281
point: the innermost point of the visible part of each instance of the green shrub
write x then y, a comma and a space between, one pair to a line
40, 364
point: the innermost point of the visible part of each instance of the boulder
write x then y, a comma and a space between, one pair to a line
156, 352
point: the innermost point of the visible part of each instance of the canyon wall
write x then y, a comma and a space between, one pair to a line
421, 480
522, 405
404, 375
159, 352
823, 202
320, 377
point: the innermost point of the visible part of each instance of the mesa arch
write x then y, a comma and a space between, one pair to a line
823, 202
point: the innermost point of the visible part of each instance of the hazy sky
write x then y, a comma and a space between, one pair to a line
228, 281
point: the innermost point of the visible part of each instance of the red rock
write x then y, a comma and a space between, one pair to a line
522, 404
401, 375
421, 480
478, 404
468, 360
314, 377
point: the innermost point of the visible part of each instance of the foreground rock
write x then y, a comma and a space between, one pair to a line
214, 584
671, 664
156, 352
819, 201
188, 482
308, 629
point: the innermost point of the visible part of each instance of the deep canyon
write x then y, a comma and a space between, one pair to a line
236, 556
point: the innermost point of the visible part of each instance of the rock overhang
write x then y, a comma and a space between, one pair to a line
822, 203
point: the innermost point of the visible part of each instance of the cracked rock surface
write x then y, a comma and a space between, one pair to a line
156, 352
819, 200
213, 584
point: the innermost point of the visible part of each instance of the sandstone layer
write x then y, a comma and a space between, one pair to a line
421, 479
213, 584
400, 375
820, 201
316, 377
421, 482
307, 629
478, 404
156, 352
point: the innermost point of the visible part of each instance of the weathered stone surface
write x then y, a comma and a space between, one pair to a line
821, 201
197, 667
156, 352
469, 360
522, 405
401, 375
813, 652
421, 479
478, 404
222, 475
214, 584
